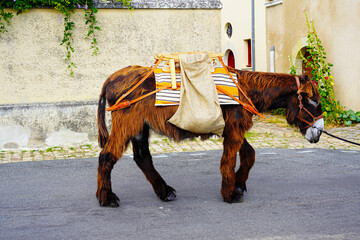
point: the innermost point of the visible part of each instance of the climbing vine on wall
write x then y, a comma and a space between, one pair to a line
66, 7
321, 75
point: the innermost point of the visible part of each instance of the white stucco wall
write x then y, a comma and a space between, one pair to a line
32, 63
337, 24
40, 104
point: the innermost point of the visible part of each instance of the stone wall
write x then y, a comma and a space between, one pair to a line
162, 4
39, 98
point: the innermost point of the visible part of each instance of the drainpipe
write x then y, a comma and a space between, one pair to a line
272, 58
252, 35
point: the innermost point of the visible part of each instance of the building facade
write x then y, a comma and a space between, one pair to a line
338, 26
236, 34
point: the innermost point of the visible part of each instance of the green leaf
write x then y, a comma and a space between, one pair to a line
348, 123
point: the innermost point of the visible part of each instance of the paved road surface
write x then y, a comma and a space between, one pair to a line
292, 194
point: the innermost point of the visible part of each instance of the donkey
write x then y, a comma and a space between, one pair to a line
266, 90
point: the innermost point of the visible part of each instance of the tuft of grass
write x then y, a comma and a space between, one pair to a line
86, 146
50, 149
278, 111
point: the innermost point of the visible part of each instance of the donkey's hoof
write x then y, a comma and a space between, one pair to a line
113, 203
107, 199
237, 195
239, 191
170, 196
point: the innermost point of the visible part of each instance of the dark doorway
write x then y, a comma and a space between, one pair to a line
231, 59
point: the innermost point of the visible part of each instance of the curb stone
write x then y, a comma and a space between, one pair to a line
272, 132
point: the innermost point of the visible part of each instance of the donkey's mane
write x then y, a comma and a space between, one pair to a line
265, 80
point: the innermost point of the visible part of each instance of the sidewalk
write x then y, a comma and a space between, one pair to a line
272, 132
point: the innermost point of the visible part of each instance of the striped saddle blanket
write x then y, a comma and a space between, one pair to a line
169, 97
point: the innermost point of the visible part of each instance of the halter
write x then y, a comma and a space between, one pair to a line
301, 106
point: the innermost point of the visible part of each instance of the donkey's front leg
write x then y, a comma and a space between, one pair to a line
247, 159
227, 168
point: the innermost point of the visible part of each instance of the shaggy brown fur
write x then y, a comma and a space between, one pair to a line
266, 90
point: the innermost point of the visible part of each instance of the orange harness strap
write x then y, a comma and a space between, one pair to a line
140, 82
251, 108
127, 103
245, 106
227, 71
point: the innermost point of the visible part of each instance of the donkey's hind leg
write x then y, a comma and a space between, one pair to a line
247, 159
121, 133
104, 191
227, 168
143, 159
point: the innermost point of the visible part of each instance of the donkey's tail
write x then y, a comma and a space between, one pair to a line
103, 133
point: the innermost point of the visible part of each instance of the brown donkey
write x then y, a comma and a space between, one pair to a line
266, 90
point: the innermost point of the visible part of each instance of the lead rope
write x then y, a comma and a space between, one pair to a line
331, 135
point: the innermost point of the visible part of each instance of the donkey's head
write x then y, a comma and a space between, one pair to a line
304, 109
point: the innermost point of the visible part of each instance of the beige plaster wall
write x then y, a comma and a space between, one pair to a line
337, 24
32, 67
238, 13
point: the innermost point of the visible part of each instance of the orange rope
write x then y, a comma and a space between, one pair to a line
140, 82
246, 106
127, 103
227, 71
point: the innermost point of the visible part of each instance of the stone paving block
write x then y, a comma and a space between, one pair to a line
186, 148
38, 157
48, 157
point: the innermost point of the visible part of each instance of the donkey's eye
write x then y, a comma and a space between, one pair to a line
312, 102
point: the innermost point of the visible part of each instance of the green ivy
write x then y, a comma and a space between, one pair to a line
91, 21
67, 8
322, 78
67, 41
292, 66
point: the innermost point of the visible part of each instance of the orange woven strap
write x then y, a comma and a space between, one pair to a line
127, 103
242, 92
245, 106
140, 82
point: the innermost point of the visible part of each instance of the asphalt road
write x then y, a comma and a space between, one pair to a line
292, 194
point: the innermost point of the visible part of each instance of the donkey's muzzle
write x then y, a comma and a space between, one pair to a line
313, 133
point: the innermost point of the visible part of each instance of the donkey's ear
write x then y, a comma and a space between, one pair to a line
304, 79
307, 78
306, 88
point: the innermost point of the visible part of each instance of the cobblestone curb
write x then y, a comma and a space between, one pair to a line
272, 132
